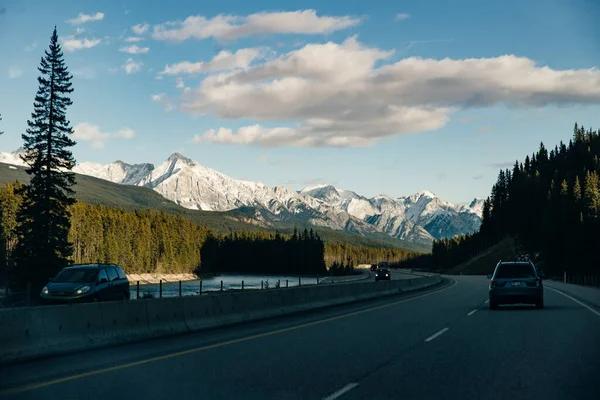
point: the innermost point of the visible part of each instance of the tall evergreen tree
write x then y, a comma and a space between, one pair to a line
577, 190
44, 217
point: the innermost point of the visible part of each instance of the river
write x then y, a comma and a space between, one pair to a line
230, 282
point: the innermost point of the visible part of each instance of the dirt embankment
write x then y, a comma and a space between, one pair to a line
485, 262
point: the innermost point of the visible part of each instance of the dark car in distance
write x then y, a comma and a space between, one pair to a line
373, 267
516, 282
382, 274
87, 283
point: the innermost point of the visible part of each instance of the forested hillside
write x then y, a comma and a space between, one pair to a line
550, 203
155, 241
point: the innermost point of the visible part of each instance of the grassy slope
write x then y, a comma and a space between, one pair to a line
485, 263
97, 191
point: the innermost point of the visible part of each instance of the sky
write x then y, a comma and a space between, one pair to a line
375, 97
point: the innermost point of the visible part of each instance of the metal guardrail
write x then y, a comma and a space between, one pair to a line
582, 280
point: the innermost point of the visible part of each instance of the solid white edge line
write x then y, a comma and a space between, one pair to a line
340, 392
430, 338
487, 301
575, 300
472, 312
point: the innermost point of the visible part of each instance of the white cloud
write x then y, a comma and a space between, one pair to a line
14, 72
140, 29
73, 42
125, 133
180, 83
232, 27
31, 47
83, 18
134, 49
131, 67
401, 17
133, 39
334, 95
93, 134
225, 60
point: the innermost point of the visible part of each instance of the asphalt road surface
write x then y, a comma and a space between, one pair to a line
442, 344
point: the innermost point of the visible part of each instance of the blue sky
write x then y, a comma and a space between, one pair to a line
376, 97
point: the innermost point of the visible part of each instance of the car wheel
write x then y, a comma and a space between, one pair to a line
493, 305
125, 297
95, 299
539, 304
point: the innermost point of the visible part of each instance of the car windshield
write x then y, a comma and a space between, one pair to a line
81, 275
515, 271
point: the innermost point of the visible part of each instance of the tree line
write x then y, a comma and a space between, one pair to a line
549, 202
252, 252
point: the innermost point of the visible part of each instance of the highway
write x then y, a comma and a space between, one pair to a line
440, 344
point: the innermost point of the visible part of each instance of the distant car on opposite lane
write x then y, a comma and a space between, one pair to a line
516, 282
87, 283
383, 274
373, 267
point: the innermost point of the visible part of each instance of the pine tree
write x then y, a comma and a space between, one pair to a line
44, 217
577, 189
591, 194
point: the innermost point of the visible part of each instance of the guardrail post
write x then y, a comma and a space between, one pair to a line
242, 285
261, 284
565, 277
137, 290
278, 283
200, 287
179, 288
317, 279
221, 286
299, 281
286, 283
160, 288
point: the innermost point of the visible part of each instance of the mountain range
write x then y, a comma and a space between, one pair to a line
418, 218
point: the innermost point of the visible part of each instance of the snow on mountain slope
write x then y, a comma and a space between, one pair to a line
117, 172
12, 158
418, 218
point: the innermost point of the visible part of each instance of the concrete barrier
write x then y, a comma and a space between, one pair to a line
75, 326
199, 312
41, 331
165, 316
22, 332
124, 321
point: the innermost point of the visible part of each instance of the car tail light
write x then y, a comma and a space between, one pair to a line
494, 283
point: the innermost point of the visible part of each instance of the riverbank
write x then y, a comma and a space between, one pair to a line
156, 278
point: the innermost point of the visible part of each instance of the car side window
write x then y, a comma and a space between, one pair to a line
112, 274
102, 274
121, 273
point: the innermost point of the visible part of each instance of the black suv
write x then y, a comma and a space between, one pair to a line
516, 282
87, 283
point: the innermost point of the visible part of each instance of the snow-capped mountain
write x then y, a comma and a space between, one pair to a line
418, 218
